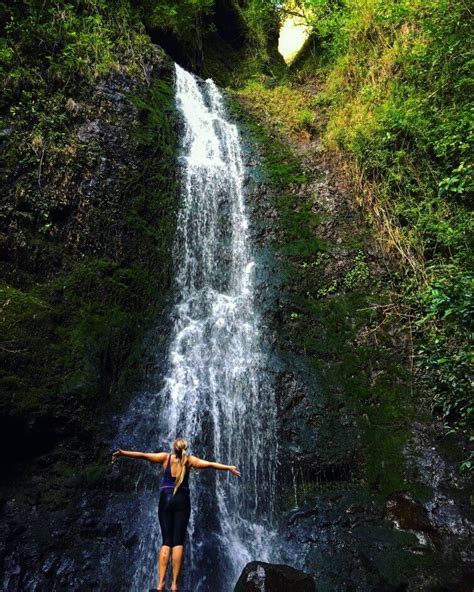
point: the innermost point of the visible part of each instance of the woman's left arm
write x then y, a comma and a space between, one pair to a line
156, 457
200, 463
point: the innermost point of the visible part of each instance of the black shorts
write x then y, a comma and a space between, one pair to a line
173, 513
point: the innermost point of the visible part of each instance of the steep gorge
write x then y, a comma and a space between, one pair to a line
370, 493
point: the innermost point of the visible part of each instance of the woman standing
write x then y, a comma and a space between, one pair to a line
174, 507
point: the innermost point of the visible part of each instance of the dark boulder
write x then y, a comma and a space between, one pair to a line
406, 513
267, 577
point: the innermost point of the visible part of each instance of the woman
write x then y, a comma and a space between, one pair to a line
174, 506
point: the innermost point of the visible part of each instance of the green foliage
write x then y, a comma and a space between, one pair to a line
107, 306
54, 44
327, 20
305, 118
79, 328
397, 96
226, 41
49, 54
450, 298
445, 355
282, 105
261, 17
184, 18
73, 322
357, 276
398, 89
27, 321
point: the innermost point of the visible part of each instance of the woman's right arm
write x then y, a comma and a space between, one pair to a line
200, 463
157, 457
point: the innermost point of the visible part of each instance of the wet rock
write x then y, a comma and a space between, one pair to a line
266, 577
132, 541
406, 513
289, 392
88, 130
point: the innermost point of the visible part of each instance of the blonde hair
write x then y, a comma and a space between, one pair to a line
180, 446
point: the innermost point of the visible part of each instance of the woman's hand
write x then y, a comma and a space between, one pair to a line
116, 454
234, 470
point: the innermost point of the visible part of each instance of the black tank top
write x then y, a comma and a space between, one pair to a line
169, 481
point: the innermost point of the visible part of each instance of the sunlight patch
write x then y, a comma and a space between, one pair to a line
293, 34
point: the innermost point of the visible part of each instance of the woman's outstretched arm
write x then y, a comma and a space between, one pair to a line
157, 457
200, 463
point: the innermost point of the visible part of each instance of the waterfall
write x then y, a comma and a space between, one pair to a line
215, 391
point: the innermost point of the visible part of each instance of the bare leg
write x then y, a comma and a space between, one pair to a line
177, 553
162, 566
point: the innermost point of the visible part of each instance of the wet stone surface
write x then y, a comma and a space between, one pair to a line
258, 576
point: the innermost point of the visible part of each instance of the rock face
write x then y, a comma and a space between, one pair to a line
370, 495
111, 239
267, 577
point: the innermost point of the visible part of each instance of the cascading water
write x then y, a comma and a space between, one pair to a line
216, 391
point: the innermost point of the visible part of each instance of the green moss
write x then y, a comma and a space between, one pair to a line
326, 312
73, 332
89, 476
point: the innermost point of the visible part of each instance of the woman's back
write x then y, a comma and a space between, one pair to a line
169, 481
